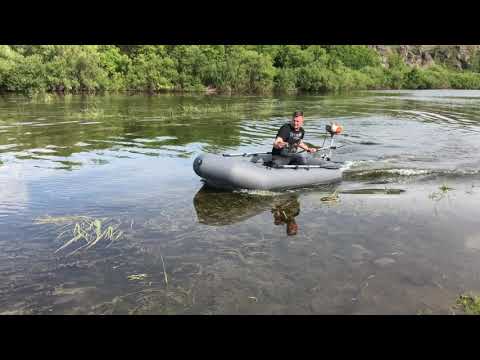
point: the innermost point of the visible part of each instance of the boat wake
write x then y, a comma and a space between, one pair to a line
407, 173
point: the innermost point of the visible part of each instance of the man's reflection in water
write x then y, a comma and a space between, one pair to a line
285, 213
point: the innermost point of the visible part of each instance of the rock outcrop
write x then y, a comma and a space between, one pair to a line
424, 56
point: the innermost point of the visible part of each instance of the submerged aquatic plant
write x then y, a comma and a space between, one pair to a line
36, 97
205, 109
469, 303
86, 230
192, 109
90, 112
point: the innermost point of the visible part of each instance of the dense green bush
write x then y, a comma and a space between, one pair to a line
225, 68
432, 78
285, 80
150, 72
475, 65
27, 75
464, 80
354, 56
241, 70
292, 56
313, 77
376, 76
256, 72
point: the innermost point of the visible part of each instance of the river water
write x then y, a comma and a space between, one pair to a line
102, 213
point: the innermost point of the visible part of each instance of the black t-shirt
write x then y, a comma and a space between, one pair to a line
288, 134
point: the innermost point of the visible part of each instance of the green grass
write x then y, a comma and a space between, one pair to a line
469, 303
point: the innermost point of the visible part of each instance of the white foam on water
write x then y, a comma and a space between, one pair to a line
354, 163
408, 172
257, 192
464, 171
401, 172
42, 151
415, 172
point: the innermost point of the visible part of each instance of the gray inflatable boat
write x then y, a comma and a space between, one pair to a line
254, 172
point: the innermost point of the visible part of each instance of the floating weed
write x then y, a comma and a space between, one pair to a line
86, 230
444, 188
469, 303
331, 198
137, 277
439, 195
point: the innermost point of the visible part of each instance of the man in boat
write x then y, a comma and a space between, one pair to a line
289, 139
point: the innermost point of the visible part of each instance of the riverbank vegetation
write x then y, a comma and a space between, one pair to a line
240, 69
469, 304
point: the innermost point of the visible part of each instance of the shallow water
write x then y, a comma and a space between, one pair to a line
401, 236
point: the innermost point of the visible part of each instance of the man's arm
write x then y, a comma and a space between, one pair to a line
279, 143
282, 134
305, 147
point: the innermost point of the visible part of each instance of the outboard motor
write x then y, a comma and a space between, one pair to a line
333, 129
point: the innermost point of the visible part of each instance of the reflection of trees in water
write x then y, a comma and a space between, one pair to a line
121, 119
215, 122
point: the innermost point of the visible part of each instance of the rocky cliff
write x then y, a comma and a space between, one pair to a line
456, 56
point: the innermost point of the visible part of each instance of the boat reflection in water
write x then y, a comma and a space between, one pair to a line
216, 207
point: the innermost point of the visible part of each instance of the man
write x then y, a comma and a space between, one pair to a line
289, 138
